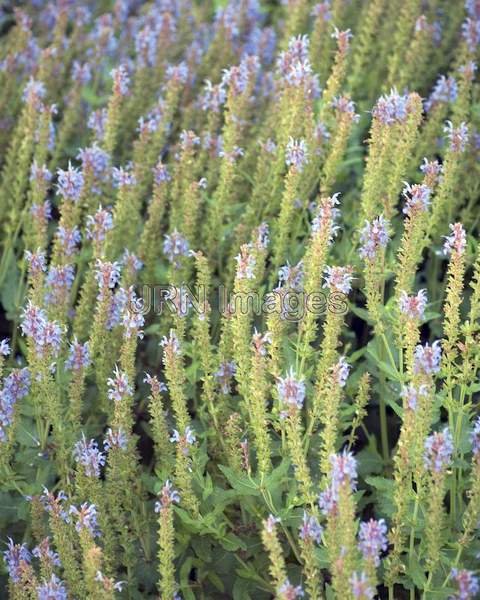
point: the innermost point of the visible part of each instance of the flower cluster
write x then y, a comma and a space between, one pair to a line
438, 450
85, 517
338, 279
427, 358
373, 237
343, 472
372, 538
291, 393
46, 336
417, 198
87, 454
413, 307
457, 241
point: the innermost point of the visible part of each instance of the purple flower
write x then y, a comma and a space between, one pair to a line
212, 143
81, 72
473, 8
325, 219
107, 274
42, 212
175, 246
417, 198
17, 384
344, 470
70, 183
291, 393
151, 123
121, 80
86, 518
296, 154
33, 320
40, 175
155, 386
438, 450
160, 173
146, 46
33, 93
224, 374
291, 277
98, 224
4, 347
68, 239
467, 582
322, 11
213, 97
46, 335
431, 168
361, 589
269, 146
391, 109
373, 540
373, 237
167, 496
58, 283
340, 372
298, 47
231, 156
468, 70
185, 440
310, 529
245, 263
118, 304
456, 241
413, 307
338, 279
343, 38
94, 161
270, 523
411, 394
16, 557
36, 263
131, 262
297, 53
46, 554
345, 106
445, 90
300, 75
427, 358
178, 74
170, 344
53, 505
119, 386
123, 177
471, 33
115, 439
458, 136
288, 591
328, 499
87, 454
188, 140
108, 582
131, 315
237, 78
97, 121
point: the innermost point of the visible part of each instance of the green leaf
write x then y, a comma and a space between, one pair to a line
416, 572
241, 483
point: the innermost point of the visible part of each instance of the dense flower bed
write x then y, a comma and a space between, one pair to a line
240, 300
